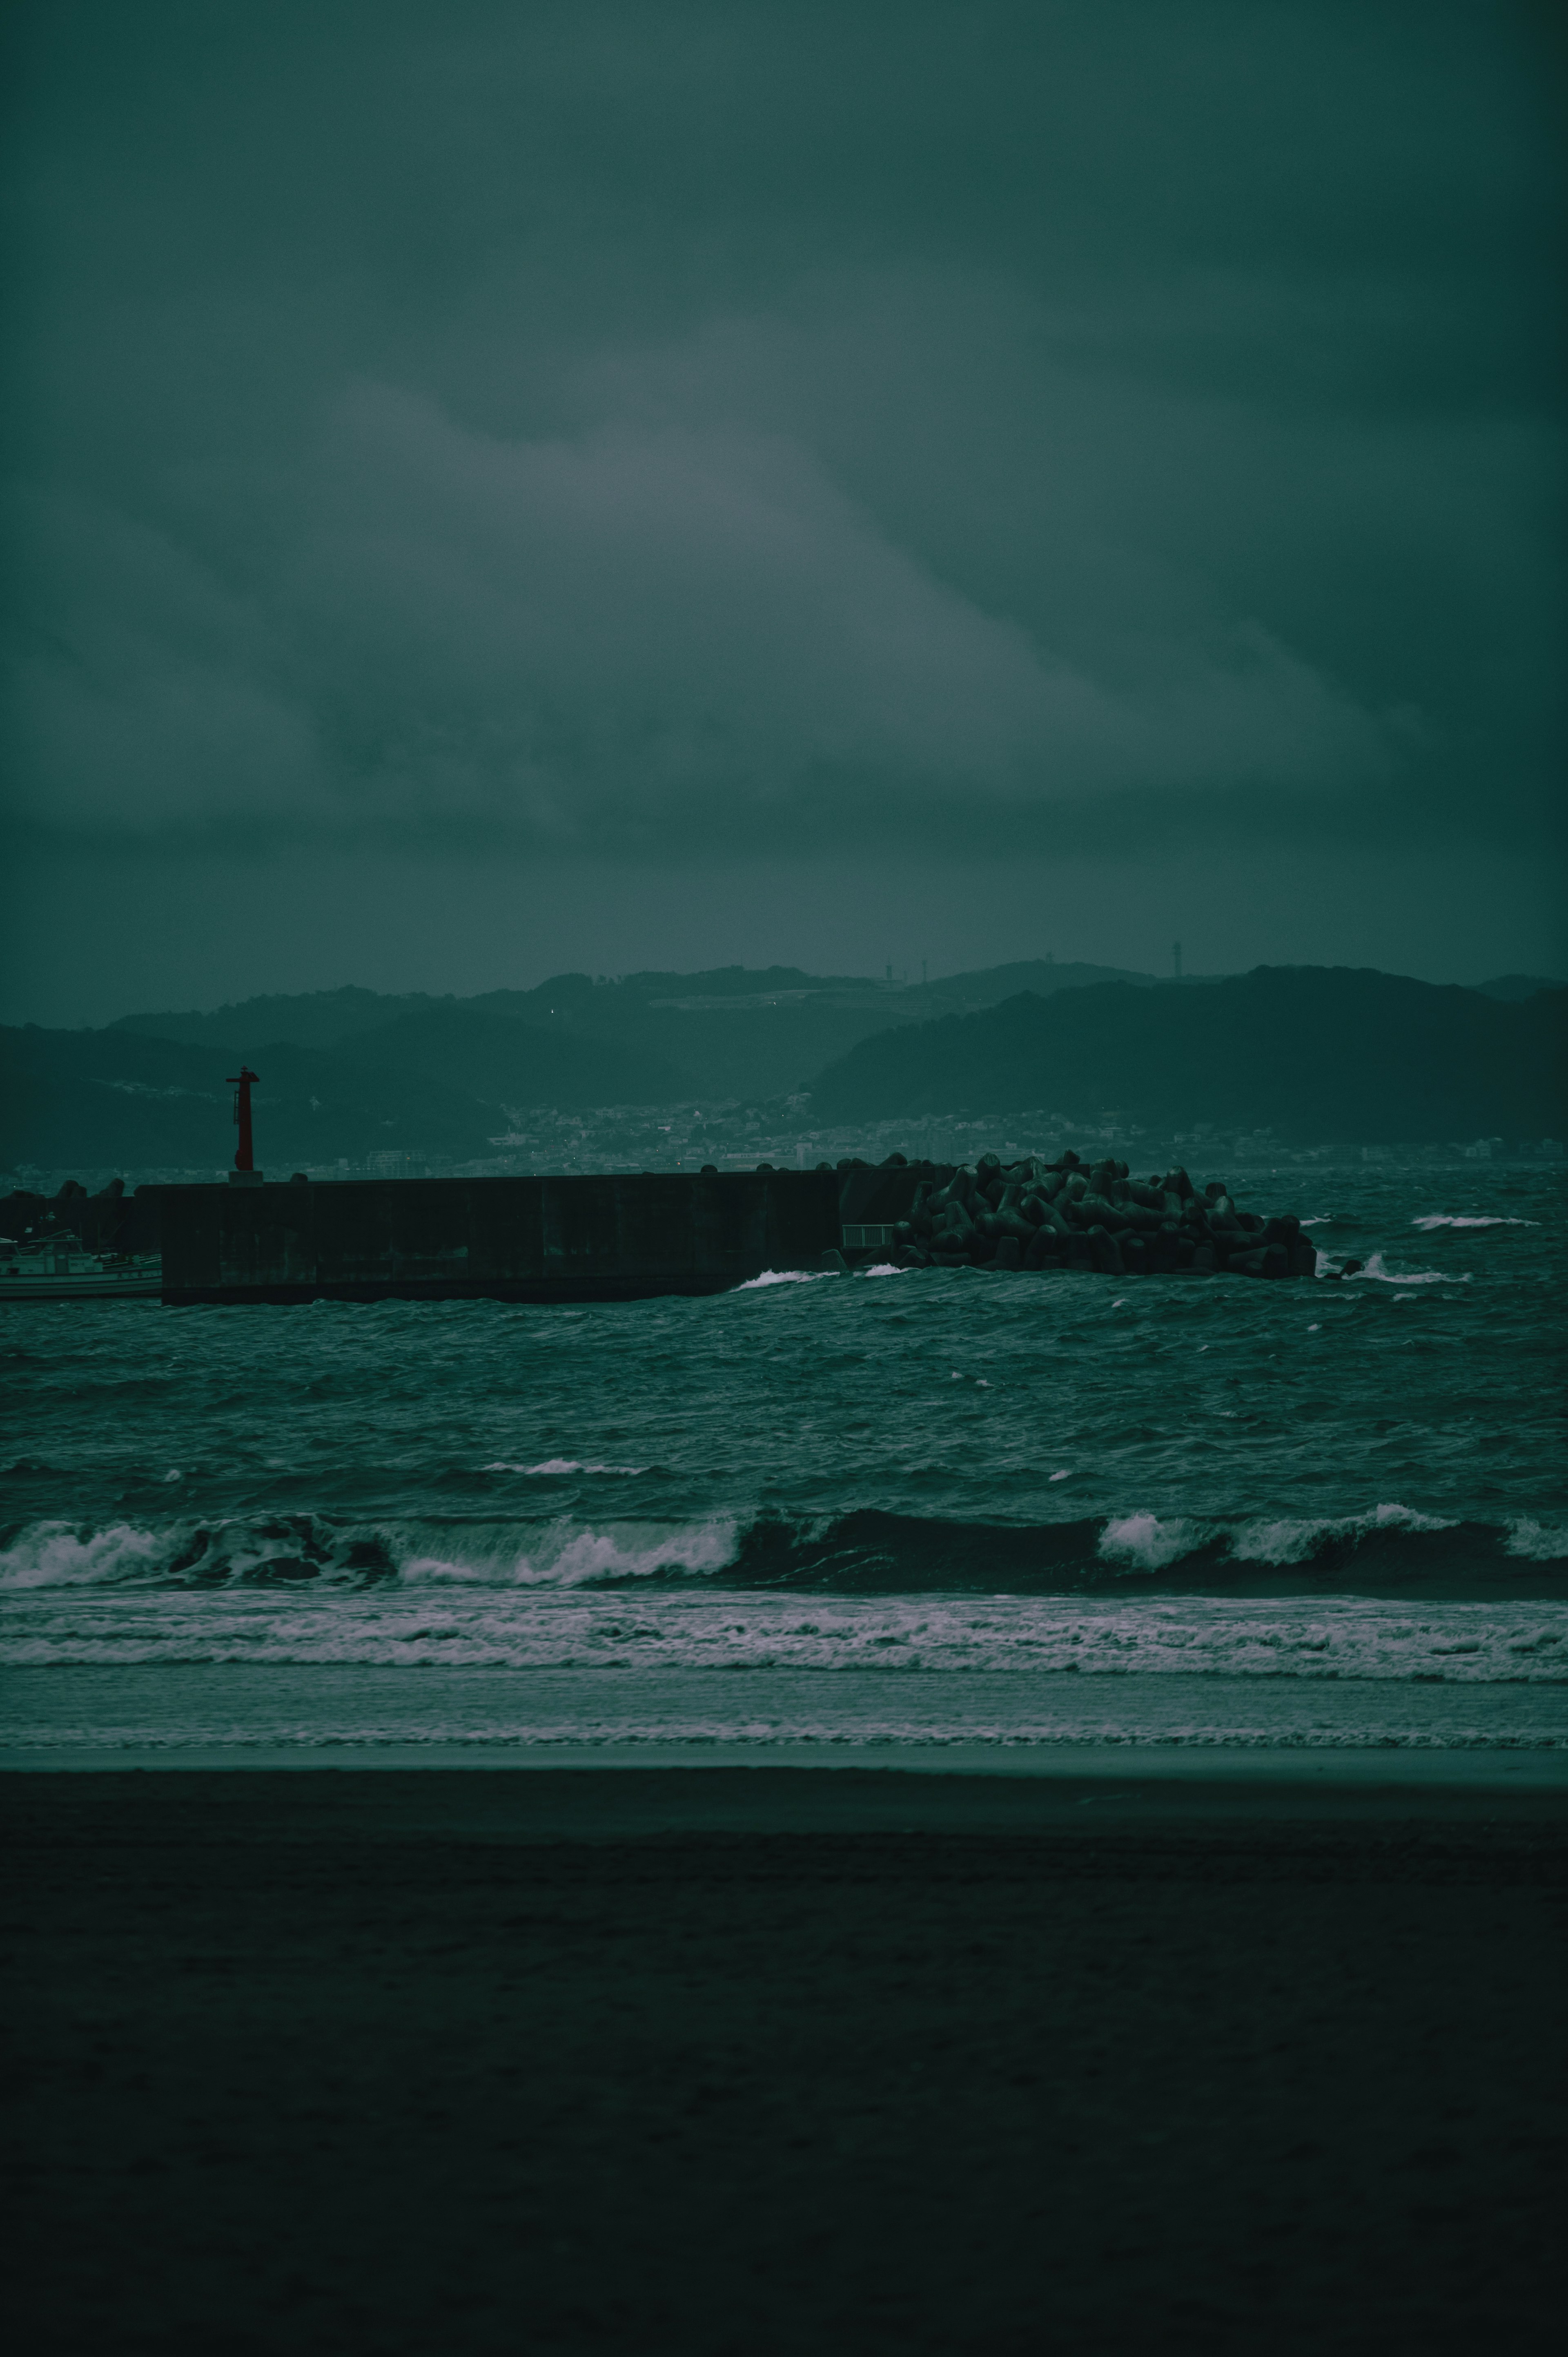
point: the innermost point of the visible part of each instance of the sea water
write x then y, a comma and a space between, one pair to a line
934, 1514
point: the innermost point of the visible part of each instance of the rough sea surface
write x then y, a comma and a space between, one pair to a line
924, 1508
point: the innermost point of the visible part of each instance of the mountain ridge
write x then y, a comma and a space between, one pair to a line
1308, 1052
719, 1033
1313, 1053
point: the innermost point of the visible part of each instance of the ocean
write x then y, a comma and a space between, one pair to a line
936, 1516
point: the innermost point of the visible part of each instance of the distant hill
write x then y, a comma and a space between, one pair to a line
1515, 987
1318, 1054
990, 985
504, 1062
316, 1019
725, 1032
1315, 1053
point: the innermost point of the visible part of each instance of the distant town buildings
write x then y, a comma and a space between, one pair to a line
739, 1136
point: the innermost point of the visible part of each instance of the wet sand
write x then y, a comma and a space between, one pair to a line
768, 2059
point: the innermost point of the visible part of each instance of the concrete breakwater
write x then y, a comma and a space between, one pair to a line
630, 1236
1069, 1214
585, 1239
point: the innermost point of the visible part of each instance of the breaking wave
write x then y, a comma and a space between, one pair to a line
1390, 1549
1534, 1542
1378, 1272
1460, 1219
554, 1465
1144, 1543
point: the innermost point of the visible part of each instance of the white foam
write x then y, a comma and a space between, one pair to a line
1279, 1541
885, 1268
929, 1655
1537, 1542
230, 1553
1284, 1539
566, 1556
1406, 1518
1146, 1543
561, 1465
1378, 1272
785, 1276
1458, 1220
56, 1554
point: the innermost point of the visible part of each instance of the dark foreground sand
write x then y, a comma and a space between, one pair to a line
754, 2060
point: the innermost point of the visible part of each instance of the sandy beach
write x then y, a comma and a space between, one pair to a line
768, 2059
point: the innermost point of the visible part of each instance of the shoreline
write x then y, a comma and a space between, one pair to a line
1325, 1768
399, 1803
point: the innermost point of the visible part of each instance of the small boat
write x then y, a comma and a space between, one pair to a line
59, 1270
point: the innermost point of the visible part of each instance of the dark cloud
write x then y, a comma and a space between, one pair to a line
677, 436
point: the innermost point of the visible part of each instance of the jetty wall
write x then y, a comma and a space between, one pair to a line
590, 1239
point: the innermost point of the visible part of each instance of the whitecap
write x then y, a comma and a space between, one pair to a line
1406, 1518
784, 1277
1284, 1539
553, 1465
569, 1554
1280, 1542
1379, 1273
1146, 1543
885, 1268
1459, 1220
57, 1555
1537, 1542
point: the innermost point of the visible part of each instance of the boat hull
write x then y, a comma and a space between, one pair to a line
138, 1284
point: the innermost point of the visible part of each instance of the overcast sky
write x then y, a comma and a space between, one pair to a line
495, 488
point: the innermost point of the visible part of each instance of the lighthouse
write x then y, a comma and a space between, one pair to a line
244, 1173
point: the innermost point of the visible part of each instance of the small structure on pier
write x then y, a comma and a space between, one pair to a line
244, 1173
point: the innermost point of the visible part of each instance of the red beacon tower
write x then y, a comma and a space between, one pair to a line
244, 1173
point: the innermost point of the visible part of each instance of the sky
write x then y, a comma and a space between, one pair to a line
497, 488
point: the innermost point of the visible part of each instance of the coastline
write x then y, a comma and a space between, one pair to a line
1009, 1721
1392, 1767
